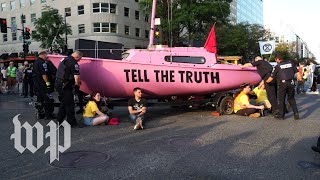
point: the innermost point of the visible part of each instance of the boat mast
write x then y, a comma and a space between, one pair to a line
153, 16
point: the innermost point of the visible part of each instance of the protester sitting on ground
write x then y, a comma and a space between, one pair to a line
261, 94
242, 104
137, 107
264, 70
92, 115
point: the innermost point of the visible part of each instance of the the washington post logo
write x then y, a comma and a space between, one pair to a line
54, 148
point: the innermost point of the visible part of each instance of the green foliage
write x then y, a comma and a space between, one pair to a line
240, 39
286, 51
283, 49
50, 28
191, 18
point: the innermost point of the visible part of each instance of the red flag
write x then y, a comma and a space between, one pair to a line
211, 44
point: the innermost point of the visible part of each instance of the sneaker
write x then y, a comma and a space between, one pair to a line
296, 117
138, 124
136, 127
254, 115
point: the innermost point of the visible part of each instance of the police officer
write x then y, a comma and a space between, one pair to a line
43, 87
27, 80
67, 77
264, 69
284, 73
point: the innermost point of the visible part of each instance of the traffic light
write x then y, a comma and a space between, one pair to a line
27, 33
157, 33
23, 19
3, 25
26, 48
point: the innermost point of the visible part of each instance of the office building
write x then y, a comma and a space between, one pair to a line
112, 21
250, 11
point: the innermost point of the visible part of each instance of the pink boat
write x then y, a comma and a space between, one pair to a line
163, 72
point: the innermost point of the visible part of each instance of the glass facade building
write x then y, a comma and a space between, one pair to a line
250, 11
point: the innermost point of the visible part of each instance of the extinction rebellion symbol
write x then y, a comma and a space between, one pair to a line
267, 47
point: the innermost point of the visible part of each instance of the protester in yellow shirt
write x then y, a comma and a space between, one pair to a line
242, 104
91, 110
262, 98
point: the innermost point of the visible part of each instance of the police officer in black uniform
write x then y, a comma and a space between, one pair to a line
284, 73
43, 87
264, 69
28, 81
67, 77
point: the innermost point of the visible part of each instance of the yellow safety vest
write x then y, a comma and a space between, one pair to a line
12, 72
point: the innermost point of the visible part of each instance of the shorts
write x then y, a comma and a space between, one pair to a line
88, 121
12, 81
4, 79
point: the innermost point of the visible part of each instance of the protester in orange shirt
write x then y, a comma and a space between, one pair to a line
300, 84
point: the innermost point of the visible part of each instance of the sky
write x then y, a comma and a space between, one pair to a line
291, 17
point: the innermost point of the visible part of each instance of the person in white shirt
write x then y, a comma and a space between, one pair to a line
312, 68
4, 78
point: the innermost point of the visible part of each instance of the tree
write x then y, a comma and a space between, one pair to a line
50, 28
241, 39
190, 18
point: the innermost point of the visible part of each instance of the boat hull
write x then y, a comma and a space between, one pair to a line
117, 79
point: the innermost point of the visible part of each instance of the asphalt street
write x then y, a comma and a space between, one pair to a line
176, 144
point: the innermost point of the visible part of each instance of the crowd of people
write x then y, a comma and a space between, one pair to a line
16, 79
311, 75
